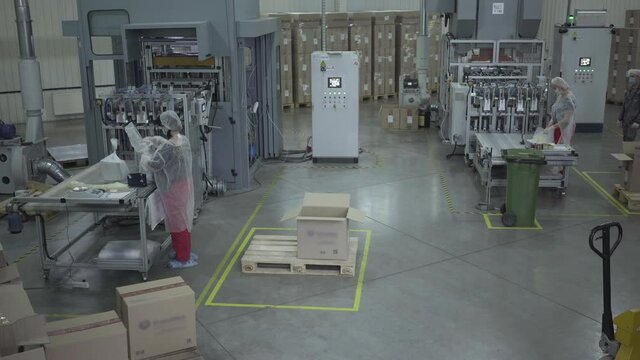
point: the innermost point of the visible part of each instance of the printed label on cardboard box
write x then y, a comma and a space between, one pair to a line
343, 36
304, 67
379, 34
286, 93
410, 119
390, 35
303, 36
285, 67
315, 41
366, 87
390, 119
285, 41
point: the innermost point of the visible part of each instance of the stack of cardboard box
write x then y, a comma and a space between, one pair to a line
625, 54
306, 36
394, 117
384, 53
337, 31
435, 39
632, 19
360, 27
20, 326
408, 27
285, 65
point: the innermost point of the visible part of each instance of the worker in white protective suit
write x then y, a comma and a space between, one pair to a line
563, 123
630, 115
169, 160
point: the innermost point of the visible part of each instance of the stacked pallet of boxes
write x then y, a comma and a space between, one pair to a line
285, 65
625, 54
306, 39
337, 31
384, 53
360, 27
408, 28
435, 37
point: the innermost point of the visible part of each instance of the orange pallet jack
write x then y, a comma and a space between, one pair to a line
624, 344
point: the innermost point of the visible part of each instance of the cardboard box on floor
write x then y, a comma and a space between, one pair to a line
323, 225
34, 354
389, 116
409, 118
630, 152
20, 326
189, 354
95, 337
159, 316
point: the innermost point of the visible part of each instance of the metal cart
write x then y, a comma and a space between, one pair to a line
137, 255
489, 164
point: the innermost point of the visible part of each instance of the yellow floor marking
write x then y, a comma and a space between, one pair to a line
238, 238
490, 225
227, 271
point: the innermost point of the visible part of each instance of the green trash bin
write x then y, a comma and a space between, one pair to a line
523, 176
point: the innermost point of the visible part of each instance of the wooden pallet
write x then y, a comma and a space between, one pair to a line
304, 105
277, 254
287, 106
365, 98
631, 200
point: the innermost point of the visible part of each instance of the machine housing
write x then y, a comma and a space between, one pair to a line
335, 95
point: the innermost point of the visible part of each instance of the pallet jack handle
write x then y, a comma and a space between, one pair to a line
603, 232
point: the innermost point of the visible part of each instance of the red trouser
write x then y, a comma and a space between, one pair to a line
181, 243
557, 135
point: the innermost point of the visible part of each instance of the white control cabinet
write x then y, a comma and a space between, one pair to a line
336, 105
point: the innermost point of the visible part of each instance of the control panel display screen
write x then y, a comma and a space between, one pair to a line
585, 62
335, 82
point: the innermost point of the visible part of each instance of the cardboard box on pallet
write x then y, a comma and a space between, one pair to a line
159, 316
189, 354
630, 152
97, 337
305, 32
390, 72
302, 79
323, 225
389, 116
408, 118
21, 326
338, 31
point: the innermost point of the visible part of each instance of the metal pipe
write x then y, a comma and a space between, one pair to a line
25, 32
422, 53
50, 167
30, 80
323, 30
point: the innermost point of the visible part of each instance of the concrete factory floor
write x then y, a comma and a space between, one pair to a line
437, 284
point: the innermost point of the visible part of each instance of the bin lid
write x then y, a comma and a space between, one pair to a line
522, 154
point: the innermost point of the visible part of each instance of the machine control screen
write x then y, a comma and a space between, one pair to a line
585, 61
335, 82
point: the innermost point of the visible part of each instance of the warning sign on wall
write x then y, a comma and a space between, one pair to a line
498, 8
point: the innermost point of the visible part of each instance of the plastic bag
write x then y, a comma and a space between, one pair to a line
541, 136
134, 137
112, 167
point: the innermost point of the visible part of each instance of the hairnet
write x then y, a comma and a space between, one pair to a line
171, 120
633, 72
560, 83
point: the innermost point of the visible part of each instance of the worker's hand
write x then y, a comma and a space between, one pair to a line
635, 126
